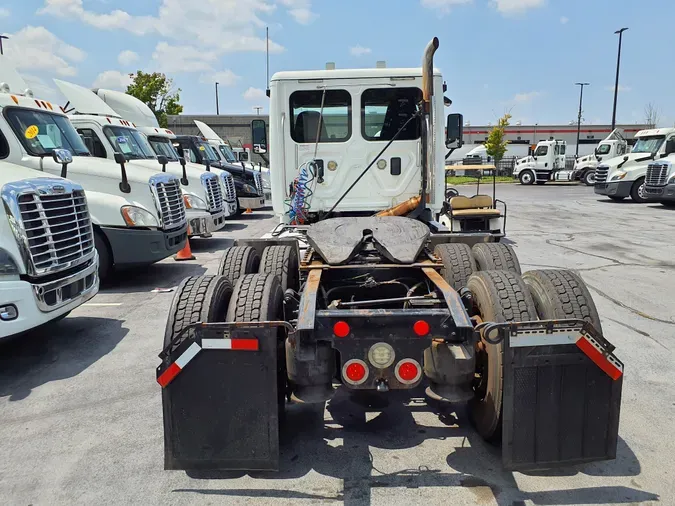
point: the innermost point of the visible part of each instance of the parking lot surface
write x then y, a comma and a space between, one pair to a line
81, 419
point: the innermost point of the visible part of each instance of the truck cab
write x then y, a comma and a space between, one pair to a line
47, 254
106, 133
138, 214
248, 183
543, 165
660, 178
614, 145
624, 176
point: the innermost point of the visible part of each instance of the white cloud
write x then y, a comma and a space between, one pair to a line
359, 50
170, 58
254, 94
516, 6
223, 78
443, 6
300, 10
36, 48
127, 57
4, 13
621, 88
523, 98
112, 80
216, 25
564, 20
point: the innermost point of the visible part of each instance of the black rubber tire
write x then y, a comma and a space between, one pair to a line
541, 183
561, 294
588, 178
258, 297
282, 261
615, 198
492, 256
237, 261
635, 191
104, 257
458, 263
523, 180
197, 299
499, 297
239, 211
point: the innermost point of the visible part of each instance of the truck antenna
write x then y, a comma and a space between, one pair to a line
267, 51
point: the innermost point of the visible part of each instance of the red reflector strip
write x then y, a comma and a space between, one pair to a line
172, 371
608, 364
167, 376
231, 344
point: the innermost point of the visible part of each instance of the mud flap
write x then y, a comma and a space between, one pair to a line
219, 398
562, 395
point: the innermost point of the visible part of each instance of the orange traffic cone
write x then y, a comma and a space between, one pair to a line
248, 211
186, 252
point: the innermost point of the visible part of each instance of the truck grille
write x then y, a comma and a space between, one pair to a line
52, 223
169, 200
213, 191
228, 183
657, 174
258, 182
601, 173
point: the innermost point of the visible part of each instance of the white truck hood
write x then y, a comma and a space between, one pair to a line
10, 172
628, 161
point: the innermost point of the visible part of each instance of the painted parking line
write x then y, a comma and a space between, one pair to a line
102, 304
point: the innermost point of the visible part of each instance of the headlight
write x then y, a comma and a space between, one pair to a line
249, 189
618, 175
7, 264
137, 217
194, 202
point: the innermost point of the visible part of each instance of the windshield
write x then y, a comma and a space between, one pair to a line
163, 146
207, 151
648, 144
42, 132
604, 149
227, 153
131, 143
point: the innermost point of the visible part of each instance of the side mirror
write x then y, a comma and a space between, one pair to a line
124, 185
64, 157
184, 181
670, 146
163, 160
454, 131
259, 136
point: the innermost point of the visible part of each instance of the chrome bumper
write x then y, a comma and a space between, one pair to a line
82, 285
205, 223
251, 202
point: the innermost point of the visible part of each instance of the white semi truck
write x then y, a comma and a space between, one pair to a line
48, 261
660, 178
624, 176
547, 163
106, 133
138, 214
614, 145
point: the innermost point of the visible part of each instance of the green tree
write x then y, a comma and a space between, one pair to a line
155, 90
496, 144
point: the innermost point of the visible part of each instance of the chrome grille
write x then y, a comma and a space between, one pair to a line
657, 174
51, 221
213, 191
258, 182
169, 200
601, 172
228, 184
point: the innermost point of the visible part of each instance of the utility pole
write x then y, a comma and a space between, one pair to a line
581, 99
2, 37
217, 105
257, 109
616, 84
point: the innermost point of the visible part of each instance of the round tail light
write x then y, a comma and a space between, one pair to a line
408, 371
421, 328
355, 372
341, 329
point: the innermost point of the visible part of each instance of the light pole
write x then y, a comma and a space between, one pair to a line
217, 106
257, 109
616, 84
581, 100
2, 37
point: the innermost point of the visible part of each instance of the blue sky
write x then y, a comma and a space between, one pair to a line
496, 55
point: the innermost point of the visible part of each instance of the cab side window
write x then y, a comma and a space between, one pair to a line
4, 147
93, 143
541, 151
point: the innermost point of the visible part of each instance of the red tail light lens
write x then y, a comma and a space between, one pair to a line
421, 328
341, 329
408, 371
355, 372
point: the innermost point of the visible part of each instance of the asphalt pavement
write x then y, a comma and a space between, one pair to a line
81, 419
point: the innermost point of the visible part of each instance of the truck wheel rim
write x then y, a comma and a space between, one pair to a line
590, 178
527, 177
641, 191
